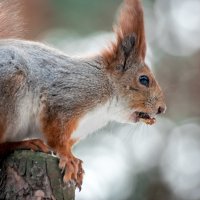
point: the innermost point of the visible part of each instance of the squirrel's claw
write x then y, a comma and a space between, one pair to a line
73, 171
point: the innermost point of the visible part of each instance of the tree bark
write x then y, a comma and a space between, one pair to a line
27, 175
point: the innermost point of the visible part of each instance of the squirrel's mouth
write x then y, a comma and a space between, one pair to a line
144, 117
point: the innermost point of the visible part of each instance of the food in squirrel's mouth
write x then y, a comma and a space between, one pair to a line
144, 117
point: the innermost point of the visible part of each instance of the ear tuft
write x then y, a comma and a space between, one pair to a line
128, 44
130, 34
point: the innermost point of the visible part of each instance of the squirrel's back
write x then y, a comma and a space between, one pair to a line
31, 73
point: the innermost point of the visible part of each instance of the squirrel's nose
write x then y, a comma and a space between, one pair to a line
161, 109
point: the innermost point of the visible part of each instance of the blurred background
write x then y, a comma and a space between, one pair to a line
135, 162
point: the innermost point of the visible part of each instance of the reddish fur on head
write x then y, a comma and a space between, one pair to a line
125, 63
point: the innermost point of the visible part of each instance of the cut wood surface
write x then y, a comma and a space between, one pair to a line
33, 175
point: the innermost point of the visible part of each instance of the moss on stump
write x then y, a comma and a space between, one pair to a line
32, 176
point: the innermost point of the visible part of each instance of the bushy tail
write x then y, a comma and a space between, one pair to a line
11, 23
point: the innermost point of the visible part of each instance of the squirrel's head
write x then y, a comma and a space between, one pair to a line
135, 86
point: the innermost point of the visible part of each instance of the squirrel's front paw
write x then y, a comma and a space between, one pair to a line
73, 171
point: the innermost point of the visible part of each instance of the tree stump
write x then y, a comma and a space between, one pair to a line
27, 175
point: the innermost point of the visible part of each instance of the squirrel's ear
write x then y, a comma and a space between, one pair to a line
130, 44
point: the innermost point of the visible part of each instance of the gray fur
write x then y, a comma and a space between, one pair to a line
33, 75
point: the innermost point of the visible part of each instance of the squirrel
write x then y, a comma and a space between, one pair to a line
49, 101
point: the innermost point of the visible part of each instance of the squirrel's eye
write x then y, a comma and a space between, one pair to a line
144, 80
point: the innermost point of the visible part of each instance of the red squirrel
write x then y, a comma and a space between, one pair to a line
49, 101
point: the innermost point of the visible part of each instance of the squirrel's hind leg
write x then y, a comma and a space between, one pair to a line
33, 144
